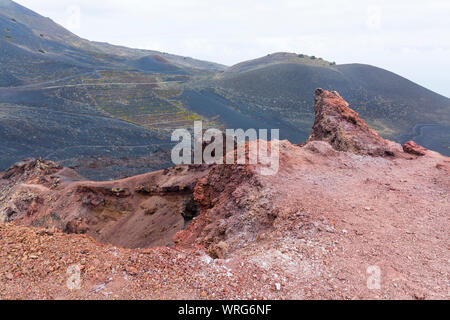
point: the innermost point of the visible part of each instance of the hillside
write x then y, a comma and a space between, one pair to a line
30, 42
272, 59
278, 88
86, 104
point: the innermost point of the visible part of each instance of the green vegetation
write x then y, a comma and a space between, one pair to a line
313, 57
301, 55
332, 63
190, 117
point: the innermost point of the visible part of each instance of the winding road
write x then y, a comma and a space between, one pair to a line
45, 84
417, 131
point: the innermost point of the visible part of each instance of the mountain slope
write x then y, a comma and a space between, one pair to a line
280, 89
271, 59
82, 102
24, 33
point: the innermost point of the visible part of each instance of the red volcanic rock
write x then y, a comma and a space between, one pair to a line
413, 148
337, 124
223, 196
31, 169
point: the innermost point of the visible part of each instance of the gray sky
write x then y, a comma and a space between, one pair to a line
411, 38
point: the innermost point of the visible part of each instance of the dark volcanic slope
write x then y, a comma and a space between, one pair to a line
69, 137
35, 48
81, 102
211, 105
391, 104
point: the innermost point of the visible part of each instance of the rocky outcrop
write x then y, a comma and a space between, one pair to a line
413, 148
340, 126
33, 171
227, 200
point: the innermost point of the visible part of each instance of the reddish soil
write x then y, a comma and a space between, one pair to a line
140, 211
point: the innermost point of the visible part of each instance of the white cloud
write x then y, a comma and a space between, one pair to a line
406, 37
373, 18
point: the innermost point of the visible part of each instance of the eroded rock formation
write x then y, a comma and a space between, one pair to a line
413, 148
340, 126
141, 211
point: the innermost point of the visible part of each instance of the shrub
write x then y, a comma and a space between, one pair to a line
301, 55
313, 57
